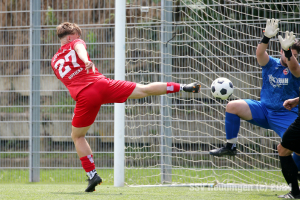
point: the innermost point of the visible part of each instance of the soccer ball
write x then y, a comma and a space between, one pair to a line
222, 88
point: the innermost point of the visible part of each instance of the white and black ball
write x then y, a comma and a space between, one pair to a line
222, 88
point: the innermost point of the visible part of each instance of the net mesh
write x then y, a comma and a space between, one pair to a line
168, 138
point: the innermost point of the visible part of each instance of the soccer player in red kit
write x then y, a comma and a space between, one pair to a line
90, 89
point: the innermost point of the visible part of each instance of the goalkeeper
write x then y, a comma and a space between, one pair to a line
280, 82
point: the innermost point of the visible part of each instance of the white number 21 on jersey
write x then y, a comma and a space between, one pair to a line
63, 70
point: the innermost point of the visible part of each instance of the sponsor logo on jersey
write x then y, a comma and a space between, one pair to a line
278, 82
75, 73
286, 71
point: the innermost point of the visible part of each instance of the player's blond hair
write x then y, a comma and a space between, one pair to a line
67, 28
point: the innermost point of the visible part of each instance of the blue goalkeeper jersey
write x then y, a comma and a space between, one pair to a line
279, 84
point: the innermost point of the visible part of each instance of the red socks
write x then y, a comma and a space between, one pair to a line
87, 163
172, 87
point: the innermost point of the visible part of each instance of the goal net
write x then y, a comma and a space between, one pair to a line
168, 138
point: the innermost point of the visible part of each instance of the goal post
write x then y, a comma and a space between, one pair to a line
166, 100
119, 108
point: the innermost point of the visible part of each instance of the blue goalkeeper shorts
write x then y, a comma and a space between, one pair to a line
277, 121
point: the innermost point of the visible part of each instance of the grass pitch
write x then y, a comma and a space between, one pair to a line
76, 191
69, 184
147, 176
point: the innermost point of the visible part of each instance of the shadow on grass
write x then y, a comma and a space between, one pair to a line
276, 194
90, 193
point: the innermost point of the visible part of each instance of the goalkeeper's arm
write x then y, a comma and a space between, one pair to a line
286, 45
270, 31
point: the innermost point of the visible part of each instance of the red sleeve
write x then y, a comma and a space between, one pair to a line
78, 41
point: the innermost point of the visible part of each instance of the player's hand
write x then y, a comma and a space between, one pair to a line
271, 28
288, 41
291, 103
88, 66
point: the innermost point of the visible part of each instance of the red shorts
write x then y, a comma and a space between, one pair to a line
90, 99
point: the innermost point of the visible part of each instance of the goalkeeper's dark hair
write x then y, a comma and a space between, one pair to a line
296, 46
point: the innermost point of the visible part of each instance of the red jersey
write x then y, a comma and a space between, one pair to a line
70, 69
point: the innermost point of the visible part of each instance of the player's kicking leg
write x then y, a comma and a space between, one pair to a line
159, 88
85, 154
234, 111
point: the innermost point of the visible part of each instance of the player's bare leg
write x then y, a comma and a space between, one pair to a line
85, 154
142, 91
234, 111
159, 88
239, 108
81, 145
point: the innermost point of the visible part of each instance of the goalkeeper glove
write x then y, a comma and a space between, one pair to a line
286, 43
270, 31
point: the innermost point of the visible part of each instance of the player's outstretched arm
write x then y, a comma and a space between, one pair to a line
286, 44
270, 31
82, 54
291, 103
